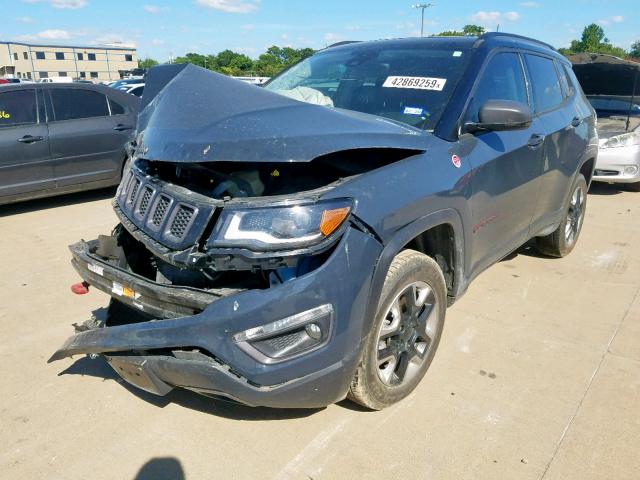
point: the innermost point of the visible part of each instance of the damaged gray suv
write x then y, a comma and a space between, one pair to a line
293, 245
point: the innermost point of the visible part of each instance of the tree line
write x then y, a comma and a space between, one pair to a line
273, 61
276, 59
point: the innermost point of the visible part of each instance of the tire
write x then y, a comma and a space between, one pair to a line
404, 336
561, 242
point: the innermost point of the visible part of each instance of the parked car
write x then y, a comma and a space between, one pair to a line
609, 83
289, 254
58, 138
56, 80
133, 88
126, 81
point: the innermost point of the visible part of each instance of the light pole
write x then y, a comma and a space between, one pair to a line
422, 6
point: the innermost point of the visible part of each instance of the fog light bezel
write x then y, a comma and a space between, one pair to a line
322, 316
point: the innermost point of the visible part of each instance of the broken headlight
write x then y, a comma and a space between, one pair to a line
278, 228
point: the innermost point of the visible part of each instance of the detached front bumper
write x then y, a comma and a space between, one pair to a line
618, 165
189, 340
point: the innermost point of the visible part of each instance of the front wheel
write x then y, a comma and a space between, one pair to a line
405, 333
564, 238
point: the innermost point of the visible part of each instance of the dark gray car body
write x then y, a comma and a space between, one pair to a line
507, 187
49, 156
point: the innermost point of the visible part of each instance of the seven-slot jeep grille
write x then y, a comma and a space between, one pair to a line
168, 217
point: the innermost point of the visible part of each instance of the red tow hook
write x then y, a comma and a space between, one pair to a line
80, 288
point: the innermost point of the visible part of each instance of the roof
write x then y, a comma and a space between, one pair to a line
58, 45
491, 39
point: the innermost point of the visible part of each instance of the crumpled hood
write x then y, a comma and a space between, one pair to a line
190, 114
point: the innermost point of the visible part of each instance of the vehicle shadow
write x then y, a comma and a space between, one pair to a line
99, 368
55, 202
598, 188
161, 468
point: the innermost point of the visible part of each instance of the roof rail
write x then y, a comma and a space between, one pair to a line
488, 35
344, 42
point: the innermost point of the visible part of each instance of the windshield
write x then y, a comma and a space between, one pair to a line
411, 85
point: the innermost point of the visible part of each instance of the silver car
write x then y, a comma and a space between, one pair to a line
612, 86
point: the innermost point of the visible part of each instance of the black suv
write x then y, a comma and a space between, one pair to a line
299, 243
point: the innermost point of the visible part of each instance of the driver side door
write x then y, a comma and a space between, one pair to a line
506, 165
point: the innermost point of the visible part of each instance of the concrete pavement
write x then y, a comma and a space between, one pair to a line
537, 376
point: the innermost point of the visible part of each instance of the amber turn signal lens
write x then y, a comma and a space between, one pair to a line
332, 219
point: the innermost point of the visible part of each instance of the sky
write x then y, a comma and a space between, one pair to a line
168, 28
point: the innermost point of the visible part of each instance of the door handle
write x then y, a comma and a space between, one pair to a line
121, 127
535, 140
30, 139
576, 121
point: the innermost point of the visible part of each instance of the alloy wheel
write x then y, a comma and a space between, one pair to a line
574, 216
406, 334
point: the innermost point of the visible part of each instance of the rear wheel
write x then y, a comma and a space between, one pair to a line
405, 333
564, 238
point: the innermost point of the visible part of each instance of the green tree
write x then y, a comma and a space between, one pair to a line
147, 63
635, 49
475, 30
593, 40
467, 30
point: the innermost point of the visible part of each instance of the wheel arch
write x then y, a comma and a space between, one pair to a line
432, 234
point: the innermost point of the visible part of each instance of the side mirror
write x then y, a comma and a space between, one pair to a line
498, 115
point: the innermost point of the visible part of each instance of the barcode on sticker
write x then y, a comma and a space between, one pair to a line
96, 269
420, 83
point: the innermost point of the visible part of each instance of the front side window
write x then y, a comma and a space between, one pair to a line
18, 108
409, 84
40, 55
70, 104
502, 79
547, 93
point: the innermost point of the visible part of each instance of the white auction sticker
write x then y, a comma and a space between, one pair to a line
420, 83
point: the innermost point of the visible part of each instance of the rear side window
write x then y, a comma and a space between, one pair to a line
71, 104
565, 79
502, 79
18, 108
116, 108
547, 93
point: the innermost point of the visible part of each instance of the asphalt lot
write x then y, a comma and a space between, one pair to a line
537, 376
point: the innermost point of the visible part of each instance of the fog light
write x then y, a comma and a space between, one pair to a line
313, 330
631, 170
288, 337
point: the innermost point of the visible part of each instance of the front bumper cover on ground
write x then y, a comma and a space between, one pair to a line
151, 354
